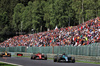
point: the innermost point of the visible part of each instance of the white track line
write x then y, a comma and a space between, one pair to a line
11, 63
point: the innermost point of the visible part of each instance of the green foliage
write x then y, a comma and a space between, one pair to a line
77, 7
17, 17
3, 24
27, 17
24, 15
97, 7
90, 10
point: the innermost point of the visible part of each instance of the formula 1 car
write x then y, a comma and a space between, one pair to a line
5, 54
59, 58
19, 54
39, 56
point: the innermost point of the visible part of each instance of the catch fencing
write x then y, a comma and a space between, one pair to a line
86, 50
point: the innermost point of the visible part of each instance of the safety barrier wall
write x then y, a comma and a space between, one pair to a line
86, 50
39, 49
2, 49
14, 49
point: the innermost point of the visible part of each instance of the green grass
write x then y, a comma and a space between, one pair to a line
21, 56
89, 62
5, 64
83, 61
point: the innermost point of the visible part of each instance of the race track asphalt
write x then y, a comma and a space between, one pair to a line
28, 62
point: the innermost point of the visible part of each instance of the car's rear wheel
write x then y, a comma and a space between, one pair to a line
9, 54
73, 61
31, 57
55, 60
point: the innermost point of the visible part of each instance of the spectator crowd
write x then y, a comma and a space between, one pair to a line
83, 34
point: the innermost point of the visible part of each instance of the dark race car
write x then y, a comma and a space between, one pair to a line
5, 54
39, 56
60, 58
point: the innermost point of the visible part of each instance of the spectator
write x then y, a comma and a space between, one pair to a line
83, 34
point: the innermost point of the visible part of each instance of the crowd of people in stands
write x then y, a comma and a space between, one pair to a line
83, 34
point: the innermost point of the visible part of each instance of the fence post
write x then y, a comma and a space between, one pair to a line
52, 49
25, 49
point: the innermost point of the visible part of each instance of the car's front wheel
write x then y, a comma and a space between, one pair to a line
45, 57
33, 57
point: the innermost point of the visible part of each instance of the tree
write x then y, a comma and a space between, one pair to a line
7, 6
3, 25
17, 17
77, 7
97, 7
90, 11
27, 17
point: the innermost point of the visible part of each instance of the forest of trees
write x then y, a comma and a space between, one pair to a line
24, 15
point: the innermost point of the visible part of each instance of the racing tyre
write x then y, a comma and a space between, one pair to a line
33, 57
45, 57
73, 61
0, 55
55, 59
58, 59
9, 55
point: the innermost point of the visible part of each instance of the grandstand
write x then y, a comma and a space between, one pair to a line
83, 34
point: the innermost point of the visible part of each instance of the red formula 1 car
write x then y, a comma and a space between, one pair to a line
39, 56
19, 54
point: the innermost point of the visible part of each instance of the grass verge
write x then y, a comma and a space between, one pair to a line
5, 64
89, 62
21, 56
